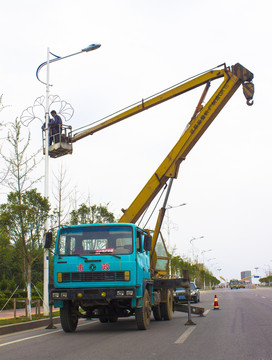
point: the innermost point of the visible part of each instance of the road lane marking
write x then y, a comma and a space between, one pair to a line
37, 336
206, 312
185, 335
264, 297
28, 338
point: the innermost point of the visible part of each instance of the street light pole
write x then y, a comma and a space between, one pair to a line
169, 207
46, 192
46, 179
211, 259
208, 269
191, 242
202, 253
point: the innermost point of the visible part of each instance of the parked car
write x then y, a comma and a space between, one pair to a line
179, 294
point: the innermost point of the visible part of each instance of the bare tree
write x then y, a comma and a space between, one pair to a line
3, 172
61, 196
1, 103
17, 161
19, 168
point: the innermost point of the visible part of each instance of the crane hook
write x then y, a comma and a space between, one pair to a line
250, 102
248, 89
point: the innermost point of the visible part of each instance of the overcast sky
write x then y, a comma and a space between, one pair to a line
147, 46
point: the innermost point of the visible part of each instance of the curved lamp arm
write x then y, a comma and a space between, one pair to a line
57, 58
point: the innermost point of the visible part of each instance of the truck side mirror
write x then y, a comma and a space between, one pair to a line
147, 242
48, 240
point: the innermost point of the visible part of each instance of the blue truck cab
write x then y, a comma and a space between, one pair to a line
102, 271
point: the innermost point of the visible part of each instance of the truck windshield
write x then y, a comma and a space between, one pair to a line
95, 240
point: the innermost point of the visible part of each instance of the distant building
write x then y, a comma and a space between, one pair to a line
246, 276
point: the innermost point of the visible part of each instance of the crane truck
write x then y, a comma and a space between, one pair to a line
113, 270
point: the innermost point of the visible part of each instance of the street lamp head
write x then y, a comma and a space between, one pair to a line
173, 207
91, 47
202, 252
194, 238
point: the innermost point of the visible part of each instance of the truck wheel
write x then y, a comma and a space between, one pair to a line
113, 318
68, 317
167, 307
142, 314
103, 319
157, 313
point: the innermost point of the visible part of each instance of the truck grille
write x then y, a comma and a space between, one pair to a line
93, 276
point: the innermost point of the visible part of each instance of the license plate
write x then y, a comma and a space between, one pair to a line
182, 297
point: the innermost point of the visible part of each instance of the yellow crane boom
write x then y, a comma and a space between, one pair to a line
202, 118
196, 127
163, 96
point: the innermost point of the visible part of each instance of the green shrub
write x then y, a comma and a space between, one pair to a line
4, 283
12, 285
7, 293
21, 294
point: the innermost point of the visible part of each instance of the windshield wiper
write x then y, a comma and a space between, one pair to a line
118, 257
82, 257
97, 252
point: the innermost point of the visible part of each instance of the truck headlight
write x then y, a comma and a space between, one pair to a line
120, 293
129, 292
55, 295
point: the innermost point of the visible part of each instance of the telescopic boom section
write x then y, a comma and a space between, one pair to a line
202, 118
150, 102
195, 129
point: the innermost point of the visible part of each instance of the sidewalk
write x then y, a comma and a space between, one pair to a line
47, 323
9, 314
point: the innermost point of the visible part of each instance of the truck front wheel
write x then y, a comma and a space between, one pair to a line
142, 314
68, 316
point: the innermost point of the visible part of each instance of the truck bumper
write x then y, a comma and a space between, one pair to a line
59, 295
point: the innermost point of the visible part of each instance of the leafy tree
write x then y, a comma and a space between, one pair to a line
266, 280
91, 215
24, 217
196, 271
10, 258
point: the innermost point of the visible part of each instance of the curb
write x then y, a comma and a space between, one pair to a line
28, 325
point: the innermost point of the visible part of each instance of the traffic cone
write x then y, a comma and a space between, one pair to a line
215, 304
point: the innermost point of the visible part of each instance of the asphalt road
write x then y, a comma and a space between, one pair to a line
241, 329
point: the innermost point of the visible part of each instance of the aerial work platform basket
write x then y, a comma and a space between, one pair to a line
59, 141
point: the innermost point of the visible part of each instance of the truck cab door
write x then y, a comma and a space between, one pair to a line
142, 259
